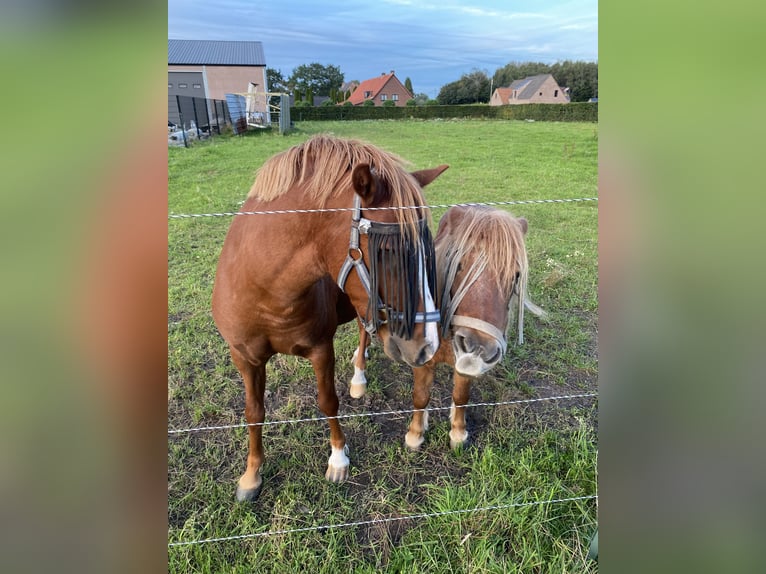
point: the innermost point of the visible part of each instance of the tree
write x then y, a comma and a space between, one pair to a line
469, 89
420, 99
408, 85
275, 80
580, 77
317, 78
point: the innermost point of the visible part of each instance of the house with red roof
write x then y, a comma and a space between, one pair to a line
385, 87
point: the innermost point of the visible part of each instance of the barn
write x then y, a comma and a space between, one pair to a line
213, 68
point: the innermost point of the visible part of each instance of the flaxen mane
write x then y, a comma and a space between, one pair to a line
323, 165
489, 235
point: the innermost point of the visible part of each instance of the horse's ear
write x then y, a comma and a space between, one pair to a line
426, 176
363, 181
524, 224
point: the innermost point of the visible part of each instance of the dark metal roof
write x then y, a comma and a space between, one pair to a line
528, 86
216, 52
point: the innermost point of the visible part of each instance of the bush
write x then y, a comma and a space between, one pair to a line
389, 104
348, 104
368, 103
412, 102
574, 112
327, 103
302, 105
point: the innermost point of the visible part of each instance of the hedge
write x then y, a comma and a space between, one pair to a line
574, 112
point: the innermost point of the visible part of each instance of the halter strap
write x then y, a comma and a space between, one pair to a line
479, 325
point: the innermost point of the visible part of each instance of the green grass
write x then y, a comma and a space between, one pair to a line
520, 453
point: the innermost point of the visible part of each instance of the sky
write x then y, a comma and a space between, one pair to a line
432, 43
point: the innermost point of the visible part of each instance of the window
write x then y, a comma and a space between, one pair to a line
196, 86
383, 97
182, 86
555, 93
367, 94
395, 97
541, 93
170, 85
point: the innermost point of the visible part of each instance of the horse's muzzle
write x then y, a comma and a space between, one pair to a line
475, 354
410, 352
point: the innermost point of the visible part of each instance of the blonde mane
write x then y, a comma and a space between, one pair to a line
322, 166
492, 235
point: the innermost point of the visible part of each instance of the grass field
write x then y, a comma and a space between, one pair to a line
520, 453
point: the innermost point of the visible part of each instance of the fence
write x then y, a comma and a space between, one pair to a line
195, 118
390, 519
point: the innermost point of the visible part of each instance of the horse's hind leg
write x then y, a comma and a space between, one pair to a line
359, 382
421, 394
458, 435
254, 377
323, 360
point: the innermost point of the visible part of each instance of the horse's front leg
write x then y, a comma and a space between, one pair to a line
323, 360
359, 381
254, 377
458, 435
421, 394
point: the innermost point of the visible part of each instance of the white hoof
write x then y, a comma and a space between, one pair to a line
413, 440
338, 465
457, 439
358, 384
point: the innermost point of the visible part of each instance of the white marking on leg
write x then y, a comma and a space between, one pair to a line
358, 383
338, 458
425, 420
456, 438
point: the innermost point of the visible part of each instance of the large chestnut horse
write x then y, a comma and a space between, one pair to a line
286, 281
482, 272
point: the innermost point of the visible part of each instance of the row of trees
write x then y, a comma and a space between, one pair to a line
309, 80
476, 87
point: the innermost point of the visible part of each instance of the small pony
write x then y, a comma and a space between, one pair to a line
285, 281
482, 272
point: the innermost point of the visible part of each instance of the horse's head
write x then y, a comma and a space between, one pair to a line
397, 247
482, 261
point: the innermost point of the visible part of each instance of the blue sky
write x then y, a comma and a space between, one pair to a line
432, 43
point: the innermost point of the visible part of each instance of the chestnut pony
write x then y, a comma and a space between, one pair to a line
482, 272
285, 281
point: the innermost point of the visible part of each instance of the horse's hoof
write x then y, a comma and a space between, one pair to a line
413, 441
358, 383
336, 473
248, 494
458, 441
337, 466
357, 390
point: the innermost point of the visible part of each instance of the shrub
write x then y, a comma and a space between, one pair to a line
368, 103
348, 104
389, 104
412, 102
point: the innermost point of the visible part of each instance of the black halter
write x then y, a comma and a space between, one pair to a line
391, 252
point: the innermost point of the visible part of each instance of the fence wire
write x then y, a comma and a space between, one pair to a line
385, 208
375, 414
381, 520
